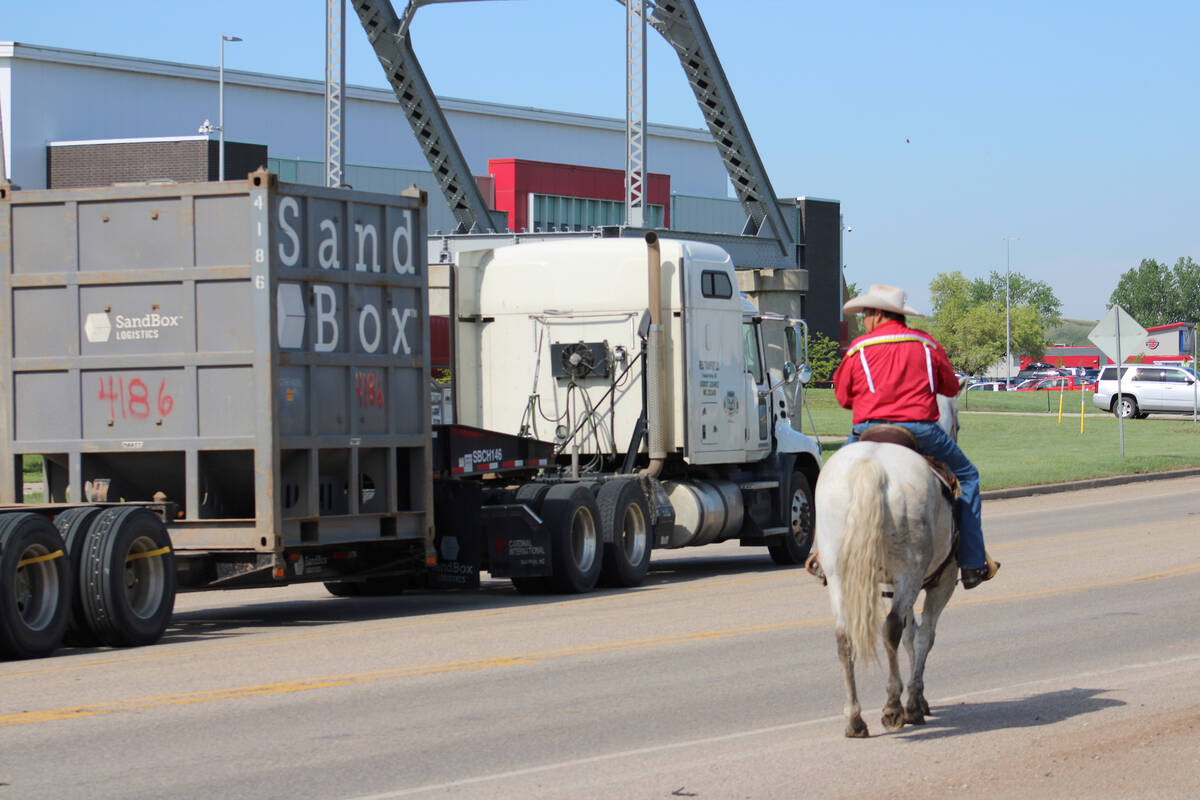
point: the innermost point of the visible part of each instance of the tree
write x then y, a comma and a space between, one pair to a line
824, 355
1022, 291
854, 326
968, 320
1154, 294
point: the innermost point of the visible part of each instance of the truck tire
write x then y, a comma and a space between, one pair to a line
74, 524
798, 514
1127, 408
344, 588
572, 518
127, 575
370, 587
625, 523
532, 495
35, 586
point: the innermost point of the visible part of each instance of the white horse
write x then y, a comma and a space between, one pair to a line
881, 519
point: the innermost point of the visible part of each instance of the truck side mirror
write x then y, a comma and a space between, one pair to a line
789, 372
805, 373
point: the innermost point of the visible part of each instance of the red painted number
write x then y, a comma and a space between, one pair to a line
369, 390
133, 399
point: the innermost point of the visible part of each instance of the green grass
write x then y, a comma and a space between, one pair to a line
1031, 447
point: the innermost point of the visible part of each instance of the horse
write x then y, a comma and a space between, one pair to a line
882, 518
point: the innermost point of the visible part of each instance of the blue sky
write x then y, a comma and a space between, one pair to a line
941, 127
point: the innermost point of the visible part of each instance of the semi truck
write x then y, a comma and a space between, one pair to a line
227, 385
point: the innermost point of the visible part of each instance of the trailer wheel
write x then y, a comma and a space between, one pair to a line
532, 495
35, 586
572, 518
127, 577
625, 521
74, 524
798, 511
344, 588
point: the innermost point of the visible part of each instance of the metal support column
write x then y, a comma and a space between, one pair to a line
679, 23
390, 40
335, 91
635, 113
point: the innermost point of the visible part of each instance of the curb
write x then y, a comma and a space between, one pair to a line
1091, 483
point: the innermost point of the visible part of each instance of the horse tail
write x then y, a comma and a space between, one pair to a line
861, 558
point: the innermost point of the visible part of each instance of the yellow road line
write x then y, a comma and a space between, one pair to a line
329, 682
391, 624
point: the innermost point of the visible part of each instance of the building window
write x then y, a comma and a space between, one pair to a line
549, 212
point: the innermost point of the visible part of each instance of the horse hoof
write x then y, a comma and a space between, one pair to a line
913, 716
893, 719
857, 729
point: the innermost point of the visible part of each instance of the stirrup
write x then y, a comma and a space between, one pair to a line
813, 566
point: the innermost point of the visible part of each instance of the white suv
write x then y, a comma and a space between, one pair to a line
1158, 388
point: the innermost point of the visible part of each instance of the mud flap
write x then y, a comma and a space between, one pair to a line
458, 528
518, 543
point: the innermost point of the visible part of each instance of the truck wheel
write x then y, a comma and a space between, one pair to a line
532, 495
799, 516
35, 586
74, 524
1127, 408
625, 519
127, 576
572, 519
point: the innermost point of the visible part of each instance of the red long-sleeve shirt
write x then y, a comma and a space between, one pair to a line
904, 371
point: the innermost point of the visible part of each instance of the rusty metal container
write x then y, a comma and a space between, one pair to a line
252, 353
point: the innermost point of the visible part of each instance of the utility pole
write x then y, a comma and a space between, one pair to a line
1007, 310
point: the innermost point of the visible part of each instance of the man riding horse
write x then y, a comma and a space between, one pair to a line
892, 375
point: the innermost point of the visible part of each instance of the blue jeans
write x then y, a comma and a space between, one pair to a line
933, 441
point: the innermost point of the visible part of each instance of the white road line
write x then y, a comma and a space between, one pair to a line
791, 726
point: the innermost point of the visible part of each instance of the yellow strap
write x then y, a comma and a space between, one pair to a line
40, 559
148, 554
890, 339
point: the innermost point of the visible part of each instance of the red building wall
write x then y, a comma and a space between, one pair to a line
515, 179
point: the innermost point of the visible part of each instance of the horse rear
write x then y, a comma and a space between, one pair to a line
881, 519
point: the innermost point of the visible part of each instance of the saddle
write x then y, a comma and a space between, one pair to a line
894, 434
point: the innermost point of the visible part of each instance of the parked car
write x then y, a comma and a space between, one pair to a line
1040, 369
988, 386
1071, 383
1026, 385
1158, 388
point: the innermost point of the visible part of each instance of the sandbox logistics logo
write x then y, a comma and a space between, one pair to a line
97, 328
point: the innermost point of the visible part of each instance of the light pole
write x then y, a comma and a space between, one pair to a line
221, 106
1007, 311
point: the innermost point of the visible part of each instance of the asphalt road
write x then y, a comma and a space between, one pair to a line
1073, 674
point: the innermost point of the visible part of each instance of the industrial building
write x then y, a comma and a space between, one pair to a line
72, 118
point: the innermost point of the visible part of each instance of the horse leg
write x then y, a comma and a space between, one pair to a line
913, 714
855, 727
893, 714
936, 598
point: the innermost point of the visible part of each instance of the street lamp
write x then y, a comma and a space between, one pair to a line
221, 105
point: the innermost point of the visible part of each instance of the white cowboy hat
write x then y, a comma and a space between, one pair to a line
885, 298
